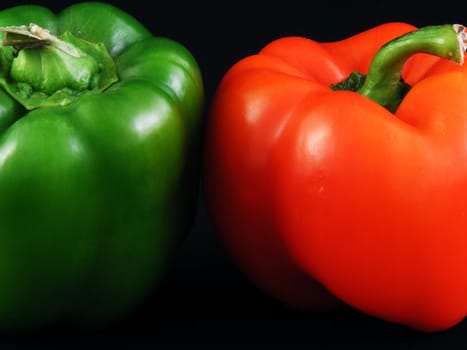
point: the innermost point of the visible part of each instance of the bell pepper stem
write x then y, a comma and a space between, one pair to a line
38, 68
34, 35
382, 83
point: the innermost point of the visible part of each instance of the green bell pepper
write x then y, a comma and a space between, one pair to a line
100, 125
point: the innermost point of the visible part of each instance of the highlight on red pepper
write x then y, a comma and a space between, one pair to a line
100, 125
337, 172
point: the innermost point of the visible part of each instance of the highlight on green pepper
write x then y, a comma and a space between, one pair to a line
100, 126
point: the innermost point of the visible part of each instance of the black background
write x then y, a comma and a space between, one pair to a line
204, 298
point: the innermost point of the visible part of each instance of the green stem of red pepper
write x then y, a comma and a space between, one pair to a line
383, 81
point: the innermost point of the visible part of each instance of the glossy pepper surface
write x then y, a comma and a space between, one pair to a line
99, 124
339, 170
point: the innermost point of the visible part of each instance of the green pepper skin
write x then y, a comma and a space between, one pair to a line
96, 195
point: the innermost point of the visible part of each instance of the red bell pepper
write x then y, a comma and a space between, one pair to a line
326, 189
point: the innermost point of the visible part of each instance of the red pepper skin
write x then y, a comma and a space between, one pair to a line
324, 196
